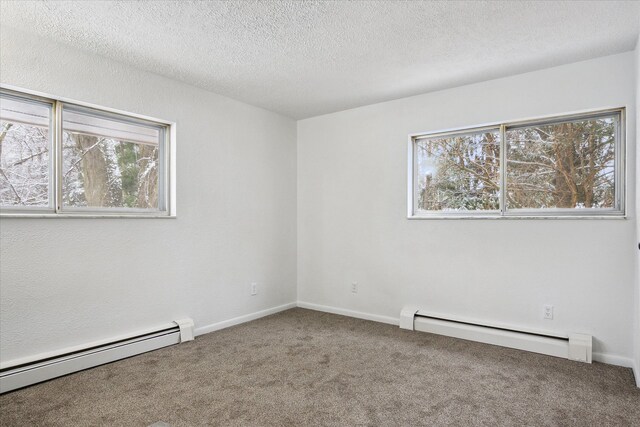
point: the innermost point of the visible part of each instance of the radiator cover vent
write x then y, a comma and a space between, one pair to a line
24, 372
572, 346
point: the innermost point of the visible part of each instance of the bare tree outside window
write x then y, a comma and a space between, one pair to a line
564, 165
108, 163
459, 172
571, 166
103, 172
103, 162
25, 146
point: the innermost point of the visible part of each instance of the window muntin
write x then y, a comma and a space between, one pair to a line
459, 172
26, 143
95, 162
565, 166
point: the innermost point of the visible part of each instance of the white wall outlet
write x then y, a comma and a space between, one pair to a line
547, 312
354, 287
254, 288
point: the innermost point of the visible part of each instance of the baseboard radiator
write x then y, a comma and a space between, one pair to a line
570, 346
23, 372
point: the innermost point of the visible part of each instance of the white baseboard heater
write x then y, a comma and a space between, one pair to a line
23, 372
570, 346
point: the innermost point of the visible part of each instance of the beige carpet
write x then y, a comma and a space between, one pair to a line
303, 367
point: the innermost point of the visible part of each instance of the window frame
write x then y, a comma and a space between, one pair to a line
619, 211
166, 175
17, 210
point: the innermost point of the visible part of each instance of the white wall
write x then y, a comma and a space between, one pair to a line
71, 281
352, 222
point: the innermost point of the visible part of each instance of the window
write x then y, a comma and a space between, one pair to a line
62, 158
459, 172
25, 156
566, 166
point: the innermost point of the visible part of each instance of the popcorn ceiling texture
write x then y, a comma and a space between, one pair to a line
308, 58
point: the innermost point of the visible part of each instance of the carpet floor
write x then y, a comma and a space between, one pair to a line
306, 368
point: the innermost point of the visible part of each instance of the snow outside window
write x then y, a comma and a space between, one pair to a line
100, 163
564, 166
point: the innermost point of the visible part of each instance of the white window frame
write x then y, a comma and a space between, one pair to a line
617, 212
56, 209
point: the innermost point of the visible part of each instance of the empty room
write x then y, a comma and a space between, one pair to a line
319, 213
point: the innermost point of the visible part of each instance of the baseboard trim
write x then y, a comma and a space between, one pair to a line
636, 373
610, 359
243, 319
350, 313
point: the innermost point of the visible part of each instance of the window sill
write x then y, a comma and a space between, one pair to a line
520, 217
96, 216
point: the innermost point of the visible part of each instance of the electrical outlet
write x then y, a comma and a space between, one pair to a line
254, 288
547, 312
354, 287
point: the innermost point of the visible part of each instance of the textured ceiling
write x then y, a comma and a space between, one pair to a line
305, 58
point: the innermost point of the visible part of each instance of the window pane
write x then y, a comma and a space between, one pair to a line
562, 165
458, 172
108, 163
25, 145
